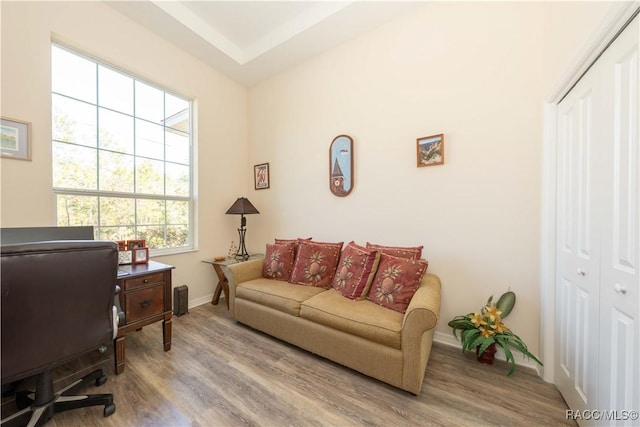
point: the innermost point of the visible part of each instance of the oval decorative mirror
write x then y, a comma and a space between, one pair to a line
341, 165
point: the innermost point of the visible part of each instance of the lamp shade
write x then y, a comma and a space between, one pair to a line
242, 206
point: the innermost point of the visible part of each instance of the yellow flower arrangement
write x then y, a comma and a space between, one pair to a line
480, 330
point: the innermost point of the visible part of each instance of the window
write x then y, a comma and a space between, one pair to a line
122, 153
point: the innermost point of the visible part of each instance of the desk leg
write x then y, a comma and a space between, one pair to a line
118, 345
223, 285
166, 332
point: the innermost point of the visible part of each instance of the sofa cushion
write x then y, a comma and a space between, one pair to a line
278, 261
408, 252
362, 318
316, 263
276, 294
355, 271
396, 281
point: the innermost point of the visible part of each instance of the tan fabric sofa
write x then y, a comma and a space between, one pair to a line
379, 342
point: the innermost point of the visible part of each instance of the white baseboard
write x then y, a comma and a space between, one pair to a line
199, 301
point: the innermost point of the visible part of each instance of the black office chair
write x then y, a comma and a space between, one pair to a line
57, 304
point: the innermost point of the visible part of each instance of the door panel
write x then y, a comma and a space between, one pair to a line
620, 295
578, 246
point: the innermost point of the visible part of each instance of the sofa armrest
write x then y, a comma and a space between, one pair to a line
239, 273
245, 271
418, 327
424, 308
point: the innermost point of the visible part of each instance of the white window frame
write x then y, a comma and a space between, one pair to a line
57, 191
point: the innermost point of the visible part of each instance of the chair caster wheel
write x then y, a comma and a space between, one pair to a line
101, 380
109, 409
23, 400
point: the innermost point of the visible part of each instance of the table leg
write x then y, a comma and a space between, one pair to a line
223, 286
216, 294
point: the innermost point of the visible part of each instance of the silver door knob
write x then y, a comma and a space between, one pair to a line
620, 289
581, 272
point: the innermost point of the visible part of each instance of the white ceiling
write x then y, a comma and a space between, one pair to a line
252, 40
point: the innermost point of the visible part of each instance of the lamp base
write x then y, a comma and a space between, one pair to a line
242, 249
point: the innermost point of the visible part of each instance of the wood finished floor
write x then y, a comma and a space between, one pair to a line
220, 373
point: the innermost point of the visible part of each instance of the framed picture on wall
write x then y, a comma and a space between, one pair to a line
341, 165
16, 139
430, 150
261, 176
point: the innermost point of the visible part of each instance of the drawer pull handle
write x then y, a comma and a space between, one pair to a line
145, 281
145, 304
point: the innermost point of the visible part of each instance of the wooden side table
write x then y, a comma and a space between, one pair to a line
223, 281
145, 297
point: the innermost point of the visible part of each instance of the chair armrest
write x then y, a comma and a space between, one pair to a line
116, 303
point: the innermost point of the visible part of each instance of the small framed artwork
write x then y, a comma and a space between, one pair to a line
122, 245
124, 257
430, 150
140, 256
261, 176
341, 165
15, 139
134, 244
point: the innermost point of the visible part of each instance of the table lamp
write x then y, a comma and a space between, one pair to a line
242, 207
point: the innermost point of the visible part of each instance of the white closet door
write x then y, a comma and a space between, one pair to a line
619, 367
578, 245
597, 362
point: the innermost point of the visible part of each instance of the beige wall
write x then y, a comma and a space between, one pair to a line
98, 30
477, 72
568, 32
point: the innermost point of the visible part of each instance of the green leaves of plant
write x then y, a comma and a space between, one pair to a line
473, 338
506, 302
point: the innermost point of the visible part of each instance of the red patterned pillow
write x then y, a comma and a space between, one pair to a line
397, 279
296, 242
278, 261
355, 271
315, 263
412, 252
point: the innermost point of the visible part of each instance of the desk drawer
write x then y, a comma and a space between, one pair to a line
147, 280
144, 303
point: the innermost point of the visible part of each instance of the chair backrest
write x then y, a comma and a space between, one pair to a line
13, 235
57, 300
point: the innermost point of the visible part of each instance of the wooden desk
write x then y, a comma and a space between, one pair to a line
145, 298
223, 282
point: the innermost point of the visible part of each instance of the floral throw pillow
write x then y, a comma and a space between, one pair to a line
396, 281
356, 270
296, 242
410, 252
315, 263
278, 261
